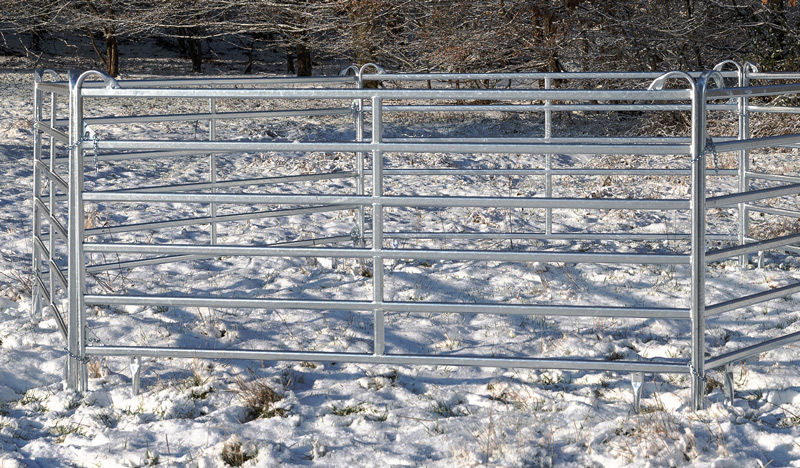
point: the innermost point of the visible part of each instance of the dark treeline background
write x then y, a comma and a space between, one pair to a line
420, 35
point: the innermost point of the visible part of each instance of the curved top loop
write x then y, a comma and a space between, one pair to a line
359, 72
39, 74
76, 79
716, 75
722, 64
378, 69
750, 66
658, 83
349, 70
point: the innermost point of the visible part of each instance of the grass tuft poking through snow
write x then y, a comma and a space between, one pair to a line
259, 398
235, 454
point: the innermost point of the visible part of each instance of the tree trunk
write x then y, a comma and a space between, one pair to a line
36, 39
250, 51
289, 61
192, 47
112, 53
196, 54
303, 60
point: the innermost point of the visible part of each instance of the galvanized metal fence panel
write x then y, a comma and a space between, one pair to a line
65, 276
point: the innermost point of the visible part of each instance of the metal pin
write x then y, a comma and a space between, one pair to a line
729, 384
637, 381
136, 370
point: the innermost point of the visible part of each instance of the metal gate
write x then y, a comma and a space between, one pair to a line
72, 138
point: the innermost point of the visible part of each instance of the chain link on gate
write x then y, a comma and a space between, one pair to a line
88, 136
354, 108
712, 149
356, 237
83, 359
693, 372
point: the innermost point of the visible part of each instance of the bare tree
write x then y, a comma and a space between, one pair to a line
773, 29
438, 35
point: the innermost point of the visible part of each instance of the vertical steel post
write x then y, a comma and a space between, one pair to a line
36, 257
359, 122
548, 159
698, 262
212, 163
744, 163
77, 371
377, 226
51, 259
76, 367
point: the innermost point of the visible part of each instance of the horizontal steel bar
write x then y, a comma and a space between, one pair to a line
230, 81
59, 274
62, 327
238, 183
185, 258
52, 266
534, 309
164, 154
392, 201
139, 155
450, 255
218, 116
752, 299
791, 248
297, 147
54, 178
555, 172
753, 143
778, 242
537, 140
37, 276
774, 76
142, 155
752, 195
216, 219
446, 235
58, 88
774, 109
422, 307
58, 135
142, 262
432, 94
52, 221
773, 177
537, 108
40, 249
316, 241
774, 211
753, 91
463, 77
585, 236
749, 351
668, 367
97, 299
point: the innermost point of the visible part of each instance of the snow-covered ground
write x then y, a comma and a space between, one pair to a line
218, 413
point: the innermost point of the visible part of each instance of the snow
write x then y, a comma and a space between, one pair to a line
193, 413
